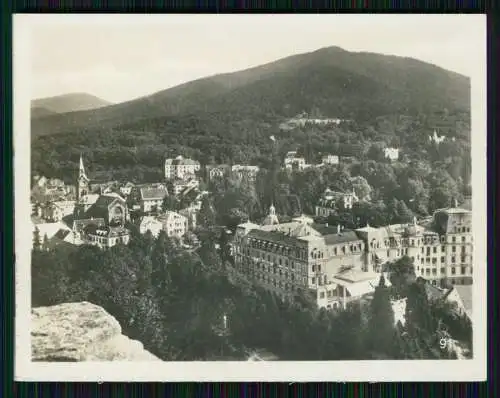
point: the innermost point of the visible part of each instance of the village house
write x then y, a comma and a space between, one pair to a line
330, 159
79, 226
105, 236
151, 199
437, 139
56, 211
181, 168
151, 224
331, 201
218, 171
40, 181
391, 153
174, 224
245, 172
292, 161
184, 186
126, 189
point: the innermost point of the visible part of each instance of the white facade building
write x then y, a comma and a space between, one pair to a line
150, 224
174, 224
330, 159
181, 168
391, 153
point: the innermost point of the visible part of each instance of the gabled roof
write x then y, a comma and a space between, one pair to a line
89, 198
79, 225
153, 193
105, 231
100, 208
344, 237
465, 294
273, 236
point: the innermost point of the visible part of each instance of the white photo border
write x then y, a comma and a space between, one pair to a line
371, 371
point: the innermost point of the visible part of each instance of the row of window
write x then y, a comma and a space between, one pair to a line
281, 262
329, 294
276, 283
274, 270
433, 271
321, 280
443, 249
463, 259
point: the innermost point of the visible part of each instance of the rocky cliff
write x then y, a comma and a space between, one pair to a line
83, 331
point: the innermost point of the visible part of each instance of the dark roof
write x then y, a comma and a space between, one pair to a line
79, 225
105, 230
433, 292
343, 237
153, 193
325, 229
61, 234
100, 208
273, 236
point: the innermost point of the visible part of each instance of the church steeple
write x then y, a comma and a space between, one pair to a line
81, 172
82, 183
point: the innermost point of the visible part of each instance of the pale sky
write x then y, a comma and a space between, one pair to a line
121, 57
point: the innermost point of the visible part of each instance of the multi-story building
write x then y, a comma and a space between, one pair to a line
454, 228
152, 199
292, 161
105, 236
330, 159
391, 153
174, 224
56, 211
296, 256
218, 171
150, 224
336, 266
127, 188
181, 168
245, 172
332, 201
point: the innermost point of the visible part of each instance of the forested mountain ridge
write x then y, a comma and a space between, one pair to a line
59, 104
228, 118
337, 82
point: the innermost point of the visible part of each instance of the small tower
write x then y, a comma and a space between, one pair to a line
82, 184
271, 219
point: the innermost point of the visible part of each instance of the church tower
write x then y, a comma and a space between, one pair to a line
272, 218
82, 184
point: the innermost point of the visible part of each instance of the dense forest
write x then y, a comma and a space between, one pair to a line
173, 301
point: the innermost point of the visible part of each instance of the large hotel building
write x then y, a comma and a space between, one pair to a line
336, 266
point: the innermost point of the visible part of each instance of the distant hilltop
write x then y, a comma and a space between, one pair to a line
65, 103
334, 82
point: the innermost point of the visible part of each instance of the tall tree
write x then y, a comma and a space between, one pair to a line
206, 216
37, 243
381, 321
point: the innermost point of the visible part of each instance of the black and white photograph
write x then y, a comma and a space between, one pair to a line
250, 197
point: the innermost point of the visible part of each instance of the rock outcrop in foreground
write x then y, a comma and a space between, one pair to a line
82, 331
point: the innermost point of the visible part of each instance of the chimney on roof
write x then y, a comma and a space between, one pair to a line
455, 201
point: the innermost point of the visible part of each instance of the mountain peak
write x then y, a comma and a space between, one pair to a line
69, 102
